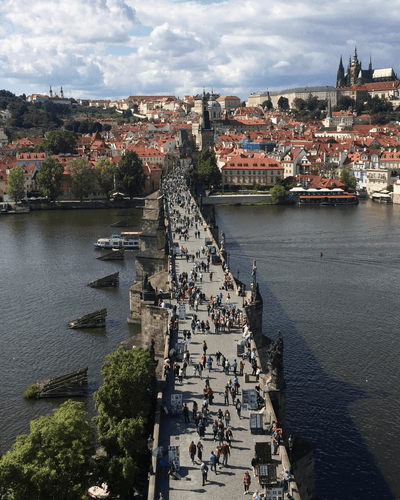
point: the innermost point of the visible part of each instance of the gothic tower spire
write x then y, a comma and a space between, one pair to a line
340, 80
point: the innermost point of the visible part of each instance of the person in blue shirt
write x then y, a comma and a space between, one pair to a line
213, 462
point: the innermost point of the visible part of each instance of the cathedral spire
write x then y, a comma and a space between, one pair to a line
340, 80
355, 58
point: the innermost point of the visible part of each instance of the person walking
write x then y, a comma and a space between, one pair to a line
199, 447
185, 411
246, 482
276, 440
236, 384
220, 436
229, 436
215, 429
227, 416
213, 462
233, 395
254, 463
204, 471
234, 367
192, 451
217, 454
226, 395
194, 411
225, 452
238, 407
256, 495
202, 429
227, 366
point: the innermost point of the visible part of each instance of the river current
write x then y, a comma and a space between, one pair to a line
338, 315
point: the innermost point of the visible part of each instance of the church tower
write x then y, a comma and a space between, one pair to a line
51, 92
207, 133
202, 130
370, 70
62, 93
355, 70
340, 79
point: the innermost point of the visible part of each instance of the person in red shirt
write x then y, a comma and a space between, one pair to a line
246, 482
225, 452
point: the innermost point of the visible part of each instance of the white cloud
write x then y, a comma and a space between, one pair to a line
112, 48
281, 64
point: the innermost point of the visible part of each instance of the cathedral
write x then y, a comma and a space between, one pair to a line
357, 76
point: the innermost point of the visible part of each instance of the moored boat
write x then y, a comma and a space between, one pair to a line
382, 197
129, 240
323, 197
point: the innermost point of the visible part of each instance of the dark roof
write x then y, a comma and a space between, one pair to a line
325, 88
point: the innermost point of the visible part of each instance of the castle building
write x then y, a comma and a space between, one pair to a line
355, 75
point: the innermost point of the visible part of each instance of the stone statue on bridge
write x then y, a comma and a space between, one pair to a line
275, 362
222, 241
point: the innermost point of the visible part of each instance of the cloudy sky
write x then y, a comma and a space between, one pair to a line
109, 49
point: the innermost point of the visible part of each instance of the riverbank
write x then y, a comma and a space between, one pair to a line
83, 205
236, 199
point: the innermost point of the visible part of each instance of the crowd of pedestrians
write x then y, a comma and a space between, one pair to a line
208, 312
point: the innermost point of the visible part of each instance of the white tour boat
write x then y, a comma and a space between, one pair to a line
129, 240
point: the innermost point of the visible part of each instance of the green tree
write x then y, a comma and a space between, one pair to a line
16, 184
123, 404
131, 174
54, 460
267, 104
348, 180
283, 103
105, 173
82, 177
58, 141
378, 105
49, 178
277, 193
208, 173
299, 103
345, 103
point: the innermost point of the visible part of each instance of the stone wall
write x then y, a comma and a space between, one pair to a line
153, 248
236, 199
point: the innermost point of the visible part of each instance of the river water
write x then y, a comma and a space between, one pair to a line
338, 315
46, 261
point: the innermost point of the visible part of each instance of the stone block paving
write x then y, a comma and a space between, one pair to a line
227, 483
